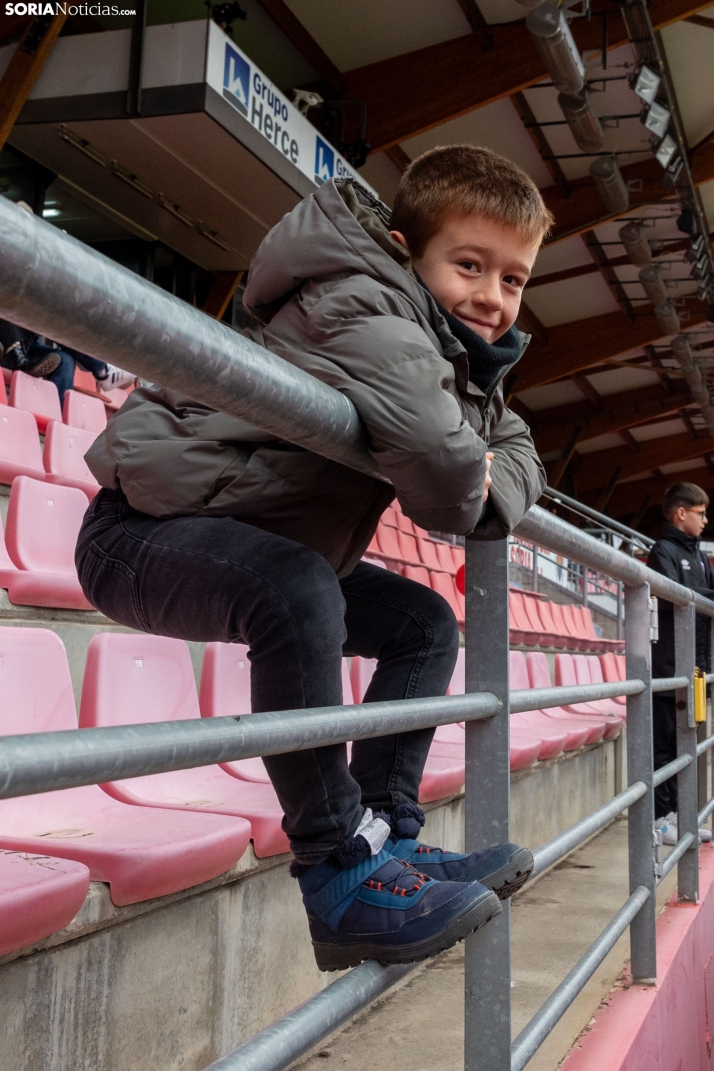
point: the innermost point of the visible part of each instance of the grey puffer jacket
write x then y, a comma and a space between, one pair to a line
336, 296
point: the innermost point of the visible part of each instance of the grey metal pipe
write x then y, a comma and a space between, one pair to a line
706, 811
676, 854
601, 518
541, 698
56, 286
534, 1034
705, 745
666, 684
665, 772
285, 1040
559, 846
40, 762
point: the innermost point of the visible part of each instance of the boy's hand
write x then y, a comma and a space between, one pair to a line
487, 482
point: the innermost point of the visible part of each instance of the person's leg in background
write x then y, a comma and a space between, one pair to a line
412, 632
63, 375
664, 745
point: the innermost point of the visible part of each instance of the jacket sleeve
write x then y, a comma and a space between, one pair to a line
366, 346
518, 477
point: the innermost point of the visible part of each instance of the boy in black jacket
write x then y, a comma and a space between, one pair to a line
676, 554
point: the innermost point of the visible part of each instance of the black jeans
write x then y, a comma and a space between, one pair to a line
664, 739
205, 578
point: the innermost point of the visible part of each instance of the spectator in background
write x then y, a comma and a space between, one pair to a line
676, 554
22, 350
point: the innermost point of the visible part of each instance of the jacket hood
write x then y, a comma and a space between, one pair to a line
339, 229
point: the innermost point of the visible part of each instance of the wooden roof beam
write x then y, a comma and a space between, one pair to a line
591, 471
411, 93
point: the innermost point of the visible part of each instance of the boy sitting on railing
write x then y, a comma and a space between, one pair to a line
209, 529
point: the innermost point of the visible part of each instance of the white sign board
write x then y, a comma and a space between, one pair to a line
237, 79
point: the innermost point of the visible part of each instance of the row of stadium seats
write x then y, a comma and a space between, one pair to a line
84, 407
195, 824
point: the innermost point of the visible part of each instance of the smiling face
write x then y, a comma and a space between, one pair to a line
477, 269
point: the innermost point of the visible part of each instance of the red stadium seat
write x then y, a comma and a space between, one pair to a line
566, 676
403, 523
142, 855
36, 396
589, 671
417, 573
445, 555
531, 609
443, 583
408, 548
458, 679
539, 677
42, 527
7, 565
388, 542
63, 456
574, 734
389, 517
427, 553
131, 679
83, 411
361, 673
519, 622
39, 895
545, 612
611, 672
564, 626
20, 452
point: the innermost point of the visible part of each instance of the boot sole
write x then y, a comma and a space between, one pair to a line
511, 877
339, 957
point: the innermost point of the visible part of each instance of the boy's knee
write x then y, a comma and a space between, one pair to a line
310, 592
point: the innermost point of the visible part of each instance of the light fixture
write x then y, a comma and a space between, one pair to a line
668, 318
636, 245
610, 184
687, 222
50, 213
553, 39
682, 351
584, 124
647, 85
657, 120
653, 285
666, 151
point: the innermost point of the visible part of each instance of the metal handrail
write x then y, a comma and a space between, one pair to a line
602, 519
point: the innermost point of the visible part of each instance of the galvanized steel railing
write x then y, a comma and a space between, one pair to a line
61, 288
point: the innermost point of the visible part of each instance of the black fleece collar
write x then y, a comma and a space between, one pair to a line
487, 360
676, 535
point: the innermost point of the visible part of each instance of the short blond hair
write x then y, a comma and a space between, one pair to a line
460, 180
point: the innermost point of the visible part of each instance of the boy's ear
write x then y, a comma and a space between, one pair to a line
400, 239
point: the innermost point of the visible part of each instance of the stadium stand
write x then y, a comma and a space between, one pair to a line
20, 451
38, 896
142, 856
133, 679
40, 537
566, 675
63, 457
84, 411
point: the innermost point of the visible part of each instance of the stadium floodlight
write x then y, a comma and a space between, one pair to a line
687, 222
584, 124
610, 184
683, 351
668, 318
647, 85
657, 119
653, 285
636, 245
666, 151
550, 31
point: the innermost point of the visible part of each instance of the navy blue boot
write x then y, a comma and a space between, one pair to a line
503, 868
384, 909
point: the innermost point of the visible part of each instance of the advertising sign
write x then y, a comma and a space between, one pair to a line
237, 79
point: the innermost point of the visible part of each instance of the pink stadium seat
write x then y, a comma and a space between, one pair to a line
388, 542
114, 398
7, 565
532, 614
564, 627
83, 411
131, 679
445, 555
42, 527
20, 453
417, 573
539, 677
361, 673
611, 672
141, 855
37, 396
459, 555
443, 583
574, 733
7, 376
39, 895
403, 523
63, 456
408, 547
427, 553
545, 612
566, 676
373, 547
575, 627
588, 671
389, 517
519, 622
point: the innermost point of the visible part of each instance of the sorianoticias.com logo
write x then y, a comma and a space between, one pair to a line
67, 9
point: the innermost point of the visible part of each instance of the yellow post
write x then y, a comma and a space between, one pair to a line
700, 696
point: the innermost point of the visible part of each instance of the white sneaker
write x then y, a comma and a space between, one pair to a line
670, 830
116, 377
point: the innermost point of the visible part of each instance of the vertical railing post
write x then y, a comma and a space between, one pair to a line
640, 824
687, 795
534, 581
487, 1039
619, 610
